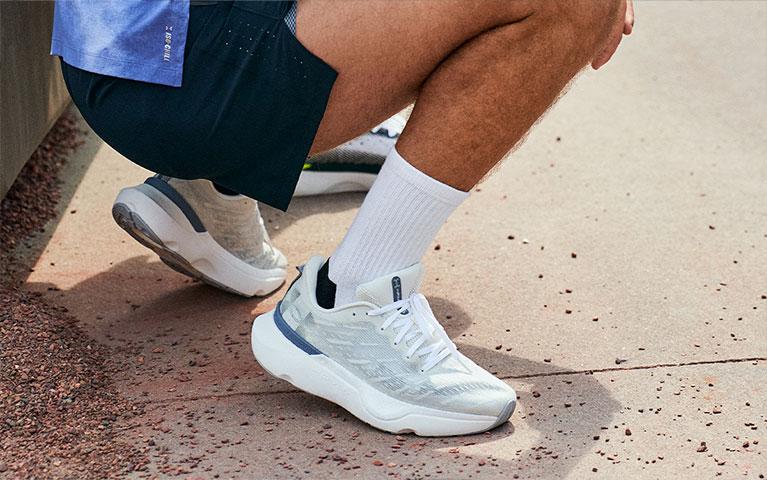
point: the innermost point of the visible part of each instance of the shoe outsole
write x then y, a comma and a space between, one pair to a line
505, 415
137, 228
312, 183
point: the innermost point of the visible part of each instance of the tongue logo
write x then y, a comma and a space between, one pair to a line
396, 288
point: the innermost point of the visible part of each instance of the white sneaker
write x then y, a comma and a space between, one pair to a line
385, 358
353, 166
200, 232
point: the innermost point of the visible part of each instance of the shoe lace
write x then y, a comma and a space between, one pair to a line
413, 321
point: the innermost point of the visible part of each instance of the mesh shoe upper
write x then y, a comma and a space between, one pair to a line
234, 222
358, 342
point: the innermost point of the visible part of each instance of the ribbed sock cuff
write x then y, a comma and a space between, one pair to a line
398, 220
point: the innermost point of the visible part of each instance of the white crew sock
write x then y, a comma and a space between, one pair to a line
398, 220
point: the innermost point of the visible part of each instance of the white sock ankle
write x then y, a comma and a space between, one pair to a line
398, 220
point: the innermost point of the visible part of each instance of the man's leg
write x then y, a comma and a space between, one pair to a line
390, 53
482, 73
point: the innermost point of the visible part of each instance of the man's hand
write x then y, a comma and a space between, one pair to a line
620, 29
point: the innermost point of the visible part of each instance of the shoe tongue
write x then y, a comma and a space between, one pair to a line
391, 287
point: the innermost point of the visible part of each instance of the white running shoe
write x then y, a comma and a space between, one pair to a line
353, 166
385, 358
200, 232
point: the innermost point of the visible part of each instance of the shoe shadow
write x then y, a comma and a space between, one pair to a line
566, 409
171, 335
184, 348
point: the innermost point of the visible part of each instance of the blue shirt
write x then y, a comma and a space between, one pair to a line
135, 39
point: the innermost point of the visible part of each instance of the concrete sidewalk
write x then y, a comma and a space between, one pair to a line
613, 270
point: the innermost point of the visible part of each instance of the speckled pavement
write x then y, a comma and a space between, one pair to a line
613, 270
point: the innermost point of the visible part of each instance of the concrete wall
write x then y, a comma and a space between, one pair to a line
32, 92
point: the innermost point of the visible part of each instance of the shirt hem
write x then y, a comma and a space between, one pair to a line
170, 76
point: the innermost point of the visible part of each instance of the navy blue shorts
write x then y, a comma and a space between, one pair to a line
245, 117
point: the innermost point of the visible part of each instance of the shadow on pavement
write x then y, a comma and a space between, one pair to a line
184, 347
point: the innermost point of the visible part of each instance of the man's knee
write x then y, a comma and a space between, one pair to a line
582, 26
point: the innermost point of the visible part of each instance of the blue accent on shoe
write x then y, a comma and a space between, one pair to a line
384, 132
161, 184
291, 334
396, 289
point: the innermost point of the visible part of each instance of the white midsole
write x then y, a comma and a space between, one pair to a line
318, 183
200, 249
321, 376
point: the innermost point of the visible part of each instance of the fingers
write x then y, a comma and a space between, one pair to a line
628, 25
615, 37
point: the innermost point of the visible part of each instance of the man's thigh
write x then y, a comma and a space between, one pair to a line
384, 50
